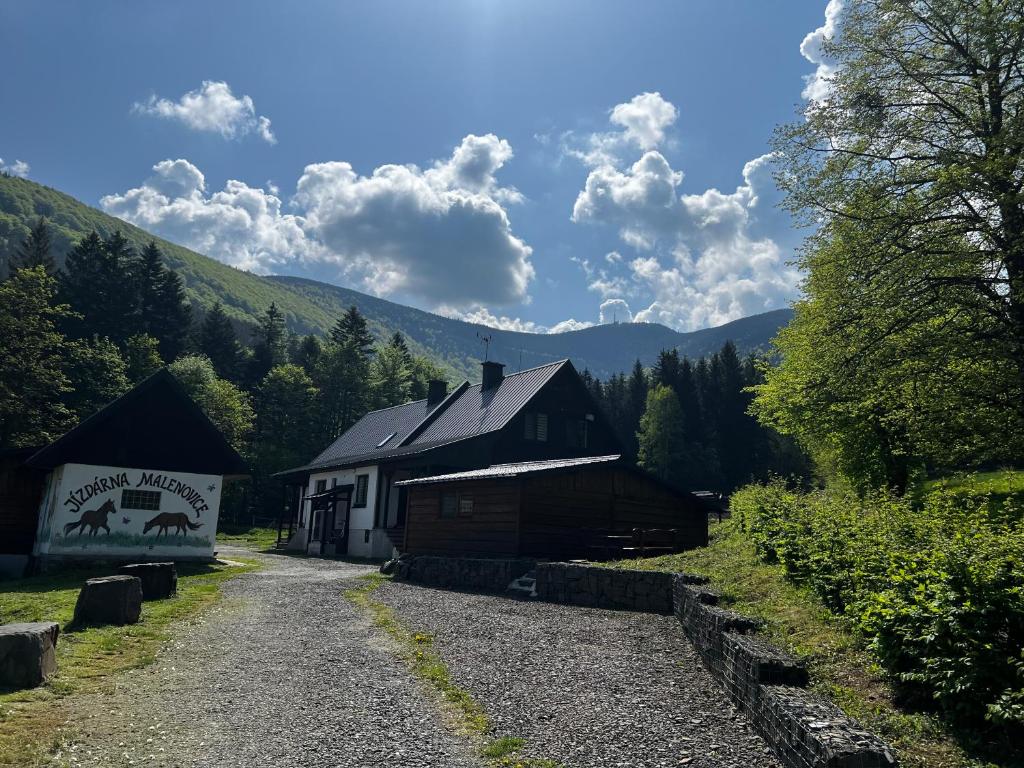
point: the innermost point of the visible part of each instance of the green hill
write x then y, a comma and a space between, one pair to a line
312, 307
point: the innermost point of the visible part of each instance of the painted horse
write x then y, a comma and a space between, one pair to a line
94, 518
166, 520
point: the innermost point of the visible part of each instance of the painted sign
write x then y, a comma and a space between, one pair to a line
123, 512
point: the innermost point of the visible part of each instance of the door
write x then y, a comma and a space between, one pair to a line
335, 538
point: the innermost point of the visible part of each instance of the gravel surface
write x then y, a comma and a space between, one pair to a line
283, 672
584, 687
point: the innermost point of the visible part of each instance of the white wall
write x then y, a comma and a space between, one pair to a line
76, 493
361, 518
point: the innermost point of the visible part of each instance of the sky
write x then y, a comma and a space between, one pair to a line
537, 165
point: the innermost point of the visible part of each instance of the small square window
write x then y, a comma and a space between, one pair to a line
145, 500
465, 506
535, 427
362, 484
321, 485
449, 504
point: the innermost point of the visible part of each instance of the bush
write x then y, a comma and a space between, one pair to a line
938, 589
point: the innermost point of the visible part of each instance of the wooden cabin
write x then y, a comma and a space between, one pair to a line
564, 508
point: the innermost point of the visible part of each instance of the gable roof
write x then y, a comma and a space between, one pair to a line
468, 412
155, 425
513, 470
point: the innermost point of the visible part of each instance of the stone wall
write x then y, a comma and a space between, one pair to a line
482, 574
768, 686
648, 591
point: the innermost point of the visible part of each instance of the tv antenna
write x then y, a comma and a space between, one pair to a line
486, 341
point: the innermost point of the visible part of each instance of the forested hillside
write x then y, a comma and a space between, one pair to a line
309, 306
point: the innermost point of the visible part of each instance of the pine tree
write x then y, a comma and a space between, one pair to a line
271, 347
218, 341
307, 352
36, 249
352, 328
342, 379
99, 284
285, 406
636, 404
166, 312
390, 374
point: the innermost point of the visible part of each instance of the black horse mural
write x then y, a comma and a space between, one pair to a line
94, 518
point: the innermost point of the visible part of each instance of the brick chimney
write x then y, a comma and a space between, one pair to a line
437, 390
493, 374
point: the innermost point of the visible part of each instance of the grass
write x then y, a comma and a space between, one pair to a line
249, 537
416, 648
118, 539
1003, 483
839, 664
32, 721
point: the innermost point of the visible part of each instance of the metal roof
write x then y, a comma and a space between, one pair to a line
467, 412
512, 470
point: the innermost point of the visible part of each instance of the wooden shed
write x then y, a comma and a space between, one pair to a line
583, 507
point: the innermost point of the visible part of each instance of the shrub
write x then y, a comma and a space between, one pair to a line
937, 589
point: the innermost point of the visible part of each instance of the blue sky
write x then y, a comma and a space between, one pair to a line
522, 163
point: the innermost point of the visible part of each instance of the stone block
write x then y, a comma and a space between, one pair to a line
110, 600
159, 580
27, 653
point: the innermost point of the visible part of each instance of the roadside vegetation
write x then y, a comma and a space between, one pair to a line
415, 648
255, 537
33, 723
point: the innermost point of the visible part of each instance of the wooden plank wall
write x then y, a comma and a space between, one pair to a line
561, 513
21, 490
490, 531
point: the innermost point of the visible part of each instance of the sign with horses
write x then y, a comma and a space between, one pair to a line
122, 512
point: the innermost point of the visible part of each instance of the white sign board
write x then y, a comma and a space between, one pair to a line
122, 512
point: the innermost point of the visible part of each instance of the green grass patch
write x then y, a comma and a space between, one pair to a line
31, 721
249, 537
86, 542
416, 649
840, 665
1001, 484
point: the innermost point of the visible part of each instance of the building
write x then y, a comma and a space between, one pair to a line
139, 479
353, 500
555, 509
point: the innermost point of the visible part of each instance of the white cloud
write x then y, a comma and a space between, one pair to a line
211, 108
570, 325
645, 118
707, 258
615, 311
441, 235
17, 168
483, 316
816, 85
239, 225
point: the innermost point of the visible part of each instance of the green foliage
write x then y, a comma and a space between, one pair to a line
142, 357
32, 377
661, 434
219, 342
938, 589
271, 347
226, 405
36, 249
391, 374
97, 373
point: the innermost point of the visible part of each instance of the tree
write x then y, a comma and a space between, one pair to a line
307, 353
910, 168
391, 374
98, 375
32, 379
225, 405
285, 407
166, 313
661, 437
423, 371
636, 404
219, 343
271, 347
352, 328
141, 357
98, 284
36, 249
342, 379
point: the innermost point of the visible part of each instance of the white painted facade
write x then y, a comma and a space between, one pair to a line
364, 538
126, 513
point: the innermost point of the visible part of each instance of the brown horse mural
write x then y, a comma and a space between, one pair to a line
167, 520
94, 518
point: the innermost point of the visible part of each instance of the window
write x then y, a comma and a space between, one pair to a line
576, 433
384, 442
148, 500
535, 427
362, 483
465, 506
321, 485
449, 504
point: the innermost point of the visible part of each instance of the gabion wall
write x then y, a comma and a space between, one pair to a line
647, 591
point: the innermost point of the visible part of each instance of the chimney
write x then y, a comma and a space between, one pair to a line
493, 374
437, 390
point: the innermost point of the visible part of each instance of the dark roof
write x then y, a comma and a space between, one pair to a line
513, 470
155, 425
466, 413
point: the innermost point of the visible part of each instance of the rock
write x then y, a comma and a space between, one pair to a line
110, 600
27, 653
389, 567
159, 580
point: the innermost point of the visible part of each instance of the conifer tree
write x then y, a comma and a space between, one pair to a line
219, 343
36, 249
391, 374
271, 347
353, 329
99, 285
307, 353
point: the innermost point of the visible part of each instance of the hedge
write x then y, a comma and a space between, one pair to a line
936, 587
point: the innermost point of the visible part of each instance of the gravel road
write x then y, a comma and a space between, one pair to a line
584, 687
284, 672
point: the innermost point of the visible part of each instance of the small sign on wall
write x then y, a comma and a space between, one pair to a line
126, 512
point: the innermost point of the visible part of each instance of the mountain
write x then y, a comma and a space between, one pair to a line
310, 306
